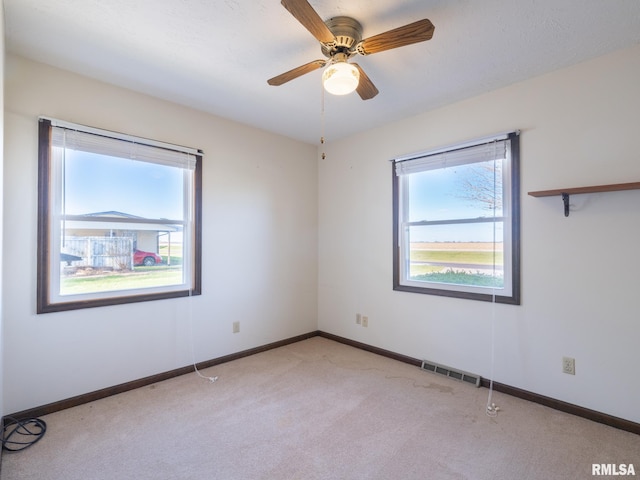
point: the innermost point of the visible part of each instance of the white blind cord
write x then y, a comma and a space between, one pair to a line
492, 409
193, 341
64, 190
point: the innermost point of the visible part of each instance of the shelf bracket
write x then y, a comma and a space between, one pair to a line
565, 192
565, 200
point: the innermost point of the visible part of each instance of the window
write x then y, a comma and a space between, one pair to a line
456, 224
118, 218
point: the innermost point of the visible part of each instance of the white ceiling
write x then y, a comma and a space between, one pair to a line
216, 55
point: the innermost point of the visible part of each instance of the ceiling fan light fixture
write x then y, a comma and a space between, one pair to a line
340, 78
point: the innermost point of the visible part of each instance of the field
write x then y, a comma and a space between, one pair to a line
473, 254
462, 246
471, 261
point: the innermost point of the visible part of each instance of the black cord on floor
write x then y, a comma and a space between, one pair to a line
20, 434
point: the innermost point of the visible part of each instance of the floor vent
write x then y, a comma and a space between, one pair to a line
451, 373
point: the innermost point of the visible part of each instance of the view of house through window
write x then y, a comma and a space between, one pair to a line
455, 221
118, 219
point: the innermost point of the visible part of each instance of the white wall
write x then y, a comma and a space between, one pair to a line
580, 127
259, 245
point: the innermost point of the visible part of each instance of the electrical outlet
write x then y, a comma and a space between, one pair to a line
236, 327
365, 321
569, 365
358, 319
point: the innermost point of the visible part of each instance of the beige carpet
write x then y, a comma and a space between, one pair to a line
317, 409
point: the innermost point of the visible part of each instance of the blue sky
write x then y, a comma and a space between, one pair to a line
98, 183
439, 195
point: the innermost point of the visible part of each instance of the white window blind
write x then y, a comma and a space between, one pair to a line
495, 150
130, 148
97, 140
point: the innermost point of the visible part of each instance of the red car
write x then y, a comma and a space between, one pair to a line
147, 259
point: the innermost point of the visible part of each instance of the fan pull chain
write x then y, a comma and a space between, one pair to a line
322, 121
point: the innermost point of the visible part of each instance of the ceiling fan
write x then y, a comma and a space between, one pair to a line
340, 39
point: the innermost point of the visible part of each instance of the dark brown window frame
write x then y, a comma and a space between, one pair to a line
44, 305
515, 297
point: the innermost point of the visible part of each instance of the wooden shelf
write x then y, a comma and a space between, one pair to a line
595, 189
566, 192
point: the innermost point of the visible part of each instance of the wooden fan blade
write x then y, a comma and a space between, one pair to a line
296, 72
398, 37
366, 89
307, 16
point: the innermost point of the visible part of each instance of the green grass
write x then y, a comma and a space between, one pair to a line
176, 253
174, 260
141, 277
439, 266
461, 277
